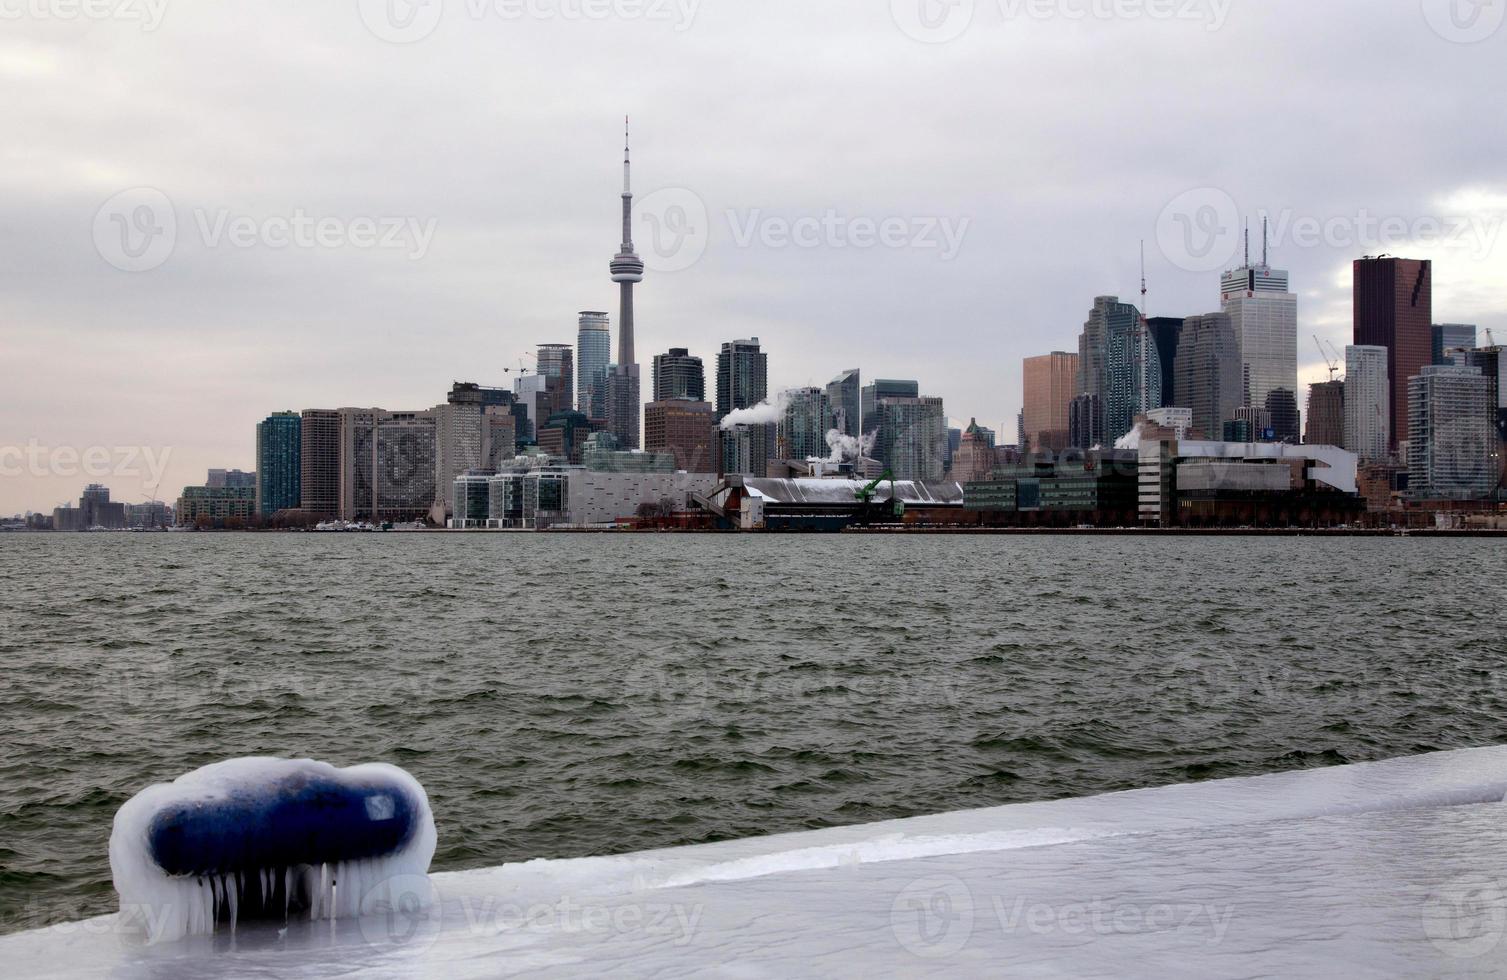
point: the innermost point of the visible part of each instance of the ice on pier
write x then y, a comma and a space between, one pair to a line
263, 838
1391, 868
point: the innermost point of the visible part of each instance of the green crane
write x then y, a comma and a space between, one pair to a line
865, 494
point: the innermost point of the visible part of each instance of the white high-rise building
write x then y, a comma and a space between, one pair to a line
1368, 402
1452, 444
1265, 316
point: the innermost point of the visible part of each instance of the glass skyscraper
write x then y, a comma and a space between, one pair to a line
843, 400
593, 354
679, 376
803, 427
279, 462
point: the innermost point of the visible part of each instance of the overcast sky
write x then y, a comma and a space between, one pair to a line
215, 210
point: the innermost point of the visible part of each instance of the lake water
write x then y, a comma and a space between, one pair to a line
564, 695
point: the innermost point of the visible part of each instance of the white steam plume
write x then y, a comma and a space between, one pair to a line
764, 413
846, 447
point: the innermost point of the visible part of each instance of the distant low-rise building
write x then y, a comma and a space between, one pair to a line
542, 497
95, 510
1197, 483
217, 507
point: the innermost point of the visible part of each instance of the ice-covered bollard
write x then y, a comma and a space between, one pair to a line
266, 838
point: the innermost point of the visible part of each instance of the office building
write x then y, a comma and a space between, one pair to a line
563, 435
1166, 335
557, 367
279, 463
845, 401
1264, 314
1394, 309
1282, 407
1368, 412
870, 394
1176, 420
1085, 422
622, 401
593, 355
1117, 363
1207, 372
1050, 382
974, 459
1452, 446
687, 429
679, 375
1326, 414
1249, 424
1448, 337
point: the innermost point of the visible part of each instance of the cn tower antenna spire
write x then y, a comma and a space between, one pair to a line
627, 269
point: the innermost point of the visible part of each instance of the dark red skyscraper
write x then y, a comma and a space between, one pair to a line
1394, 308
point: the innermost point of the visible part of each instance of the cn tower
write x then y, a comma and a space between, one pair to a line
627, 267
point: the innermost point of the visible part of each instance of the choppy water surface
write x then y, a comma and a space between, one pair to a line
563, 695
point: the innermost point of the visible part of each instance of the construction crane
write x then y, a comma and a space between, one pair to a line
1490, 340
1333, 362
522, 367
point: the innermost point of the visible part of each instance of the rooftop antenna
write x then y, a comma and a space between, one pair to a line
1264, 261
1144, 311
1247, 243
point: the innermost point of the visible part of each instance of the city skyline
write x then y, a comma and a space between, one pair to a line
514, 229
